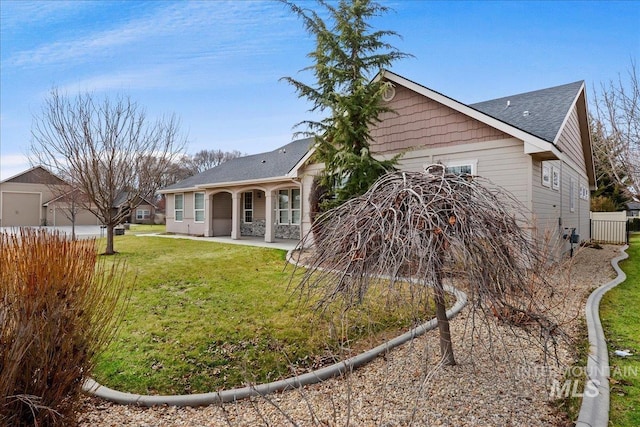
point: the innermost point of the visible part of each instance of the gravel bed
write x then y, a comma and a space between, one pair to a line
501, 379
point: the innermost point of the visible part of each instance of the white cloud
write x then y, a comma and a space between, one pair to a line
13, 164
218, 29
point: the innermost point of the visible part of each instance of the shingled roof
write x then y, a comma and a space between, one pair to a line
272, 164
540, 113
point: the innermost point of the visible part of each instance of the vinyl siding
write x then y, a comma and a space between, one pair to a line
570, 142
553, 207
503, 162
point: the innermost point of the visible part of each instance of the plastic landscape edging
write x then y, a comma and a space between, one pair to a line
93, 388
594, 411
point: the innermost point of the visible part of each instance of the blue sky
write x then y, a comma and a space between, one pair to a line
217, 64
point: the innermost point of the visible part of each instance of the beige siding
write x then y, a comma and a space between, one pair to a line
570, 142
418, 121
503, 162
552, 207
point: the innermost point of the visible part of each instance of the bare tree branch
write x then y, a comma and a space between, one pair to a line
107, 149
422, 228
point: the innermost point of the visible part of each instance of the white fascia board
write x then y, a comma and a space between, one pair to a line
568, 115
245, 183
533, 144
179, 190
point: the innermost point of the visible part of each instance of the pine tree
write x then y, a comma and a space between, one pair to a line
348, 55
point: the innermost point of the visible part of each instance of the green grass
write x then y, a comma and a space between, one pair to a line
205, 316
146, 228
620, 314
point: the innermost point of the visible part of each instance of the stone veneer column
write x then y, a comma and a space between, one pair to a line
268, 215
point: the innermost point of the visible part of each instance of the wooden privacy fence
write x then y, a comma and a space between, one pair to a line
609, 227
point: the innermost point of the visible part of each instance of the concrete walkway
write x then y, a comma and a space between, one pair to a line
96, 231
285, 244
82, 231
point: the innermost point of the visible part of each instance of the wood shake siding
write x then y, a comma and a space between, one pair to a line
418, 121
569, 141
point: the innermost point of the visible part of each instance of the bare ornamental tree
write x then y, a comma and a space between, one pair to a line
107, 149
617, 130
423, 229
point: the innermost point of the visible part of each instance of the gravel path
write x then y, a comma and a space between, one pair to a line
500, 380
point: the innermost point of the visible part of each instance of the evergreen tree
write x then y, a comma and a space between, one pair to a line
348, 55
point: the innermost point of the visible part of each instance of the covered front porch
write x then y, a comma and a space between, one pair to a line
264, 212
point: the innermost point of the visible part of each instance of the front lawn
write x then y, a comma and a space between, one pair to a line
206, 316
620, 314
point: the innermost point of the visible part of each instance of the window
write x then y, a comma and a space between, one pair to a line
460, 167
555, 178
142, 214
546, 175
295, 206
584, 192
289, 203
198, 207
248, 207
459, 170
178, 207
572, 195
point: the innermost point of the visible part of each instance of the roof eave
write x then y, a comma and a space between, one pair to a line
533, 144
293, 173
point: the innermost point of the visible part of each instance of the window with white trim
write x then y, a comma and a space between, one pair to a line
178, 207
248, 207
142, 214
546, 174
555, 178
289, 206
461, 167
198, 207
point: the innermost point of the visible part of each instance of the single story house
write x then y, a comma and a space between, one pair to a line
36, 197
145, 210
536, 145
633, 209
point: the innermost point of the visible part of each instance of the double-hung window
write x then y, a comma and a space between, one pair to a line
289, 203
178, 207
198, 207
142, 214
248, 207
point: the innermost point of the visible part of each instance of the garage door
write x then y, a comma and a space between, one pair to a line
58, 216
20, 209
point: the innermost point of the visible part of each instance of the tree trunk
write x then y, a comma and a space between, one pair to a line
109, 250
446, 346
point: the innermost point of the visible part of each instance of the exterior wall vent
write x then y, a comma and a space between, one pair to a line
388, 94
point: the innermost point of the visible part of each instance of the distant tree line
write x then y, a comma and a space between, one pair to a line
201, 161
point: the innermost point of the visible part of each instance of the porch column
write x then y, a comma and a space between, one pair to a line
235, 215
208, 214
268, 216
